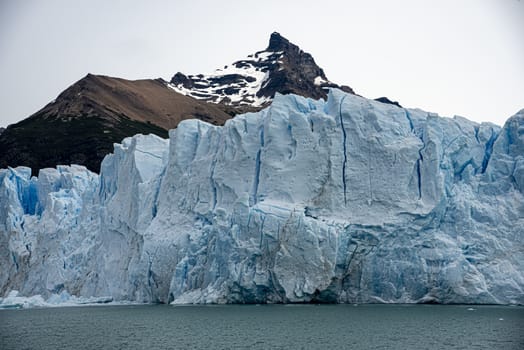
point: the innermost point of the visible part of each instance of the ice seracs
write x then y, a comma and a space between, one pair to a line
345, 200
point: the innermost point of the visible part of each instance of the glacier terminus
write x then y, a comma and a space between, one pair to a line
347, 200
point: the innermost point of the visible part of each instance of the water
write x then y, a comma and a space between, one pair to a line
264, 327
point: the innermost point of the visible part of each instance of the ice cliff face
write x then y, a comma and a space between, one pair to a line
348, 200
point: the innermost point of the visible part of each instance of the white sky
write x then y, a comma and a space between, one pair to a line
453, 57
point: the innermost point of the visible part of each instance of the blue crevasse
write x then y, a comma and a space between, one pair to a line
344, 200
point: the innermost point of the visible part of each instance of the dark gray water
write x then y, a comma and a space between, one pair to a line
264, 327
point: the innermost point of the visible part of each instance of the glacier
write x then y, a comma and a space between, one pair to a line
14, 301
347, 200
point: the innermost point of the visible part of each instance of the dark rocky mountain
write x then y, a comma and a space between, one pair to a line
84, 121
388, 101
1, 130
282, 67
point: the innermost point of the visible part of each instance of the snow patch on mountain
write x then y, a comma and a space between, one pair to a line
253, 82
237, 84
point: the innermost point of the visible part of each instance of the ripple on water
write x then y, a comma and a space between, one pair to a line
263, 327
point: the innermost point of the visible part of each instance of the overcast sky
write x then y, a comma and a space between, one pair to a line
453, 57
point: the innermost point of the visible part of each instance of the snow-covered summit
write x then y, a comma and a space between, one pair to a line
253, 81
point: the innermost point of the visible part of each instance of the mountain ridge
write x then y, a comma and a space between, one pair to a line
282, 67
82, 123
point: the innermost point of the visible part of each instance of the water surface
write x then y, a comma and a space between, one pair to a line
264, 327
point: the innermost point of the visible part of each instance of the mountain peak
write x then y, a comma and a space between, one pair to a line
253, 81
278, 43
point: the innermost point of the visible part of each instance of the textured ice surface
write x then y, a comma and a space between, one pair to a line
14, 301
348, 200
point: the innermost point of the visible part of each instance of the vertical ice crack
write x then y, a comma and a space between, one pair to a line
293, 143
419, 179
370, 168
487, 151
213, 183
344, 135
14, 260
370, 183
459, 173
150, 272
419, 161
510, 140
151, 281
245, 125
477, 133
256, 180
350, 258
408, 116
212, 180
28, 248
262, 221
154, 208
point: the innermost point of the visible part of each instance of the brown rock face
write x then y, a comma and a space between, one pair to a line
84, 121
296, 72
282, 67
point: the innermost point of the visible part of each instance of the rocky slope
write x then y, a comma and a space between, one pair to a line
252, 82
348, 200
84, 121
